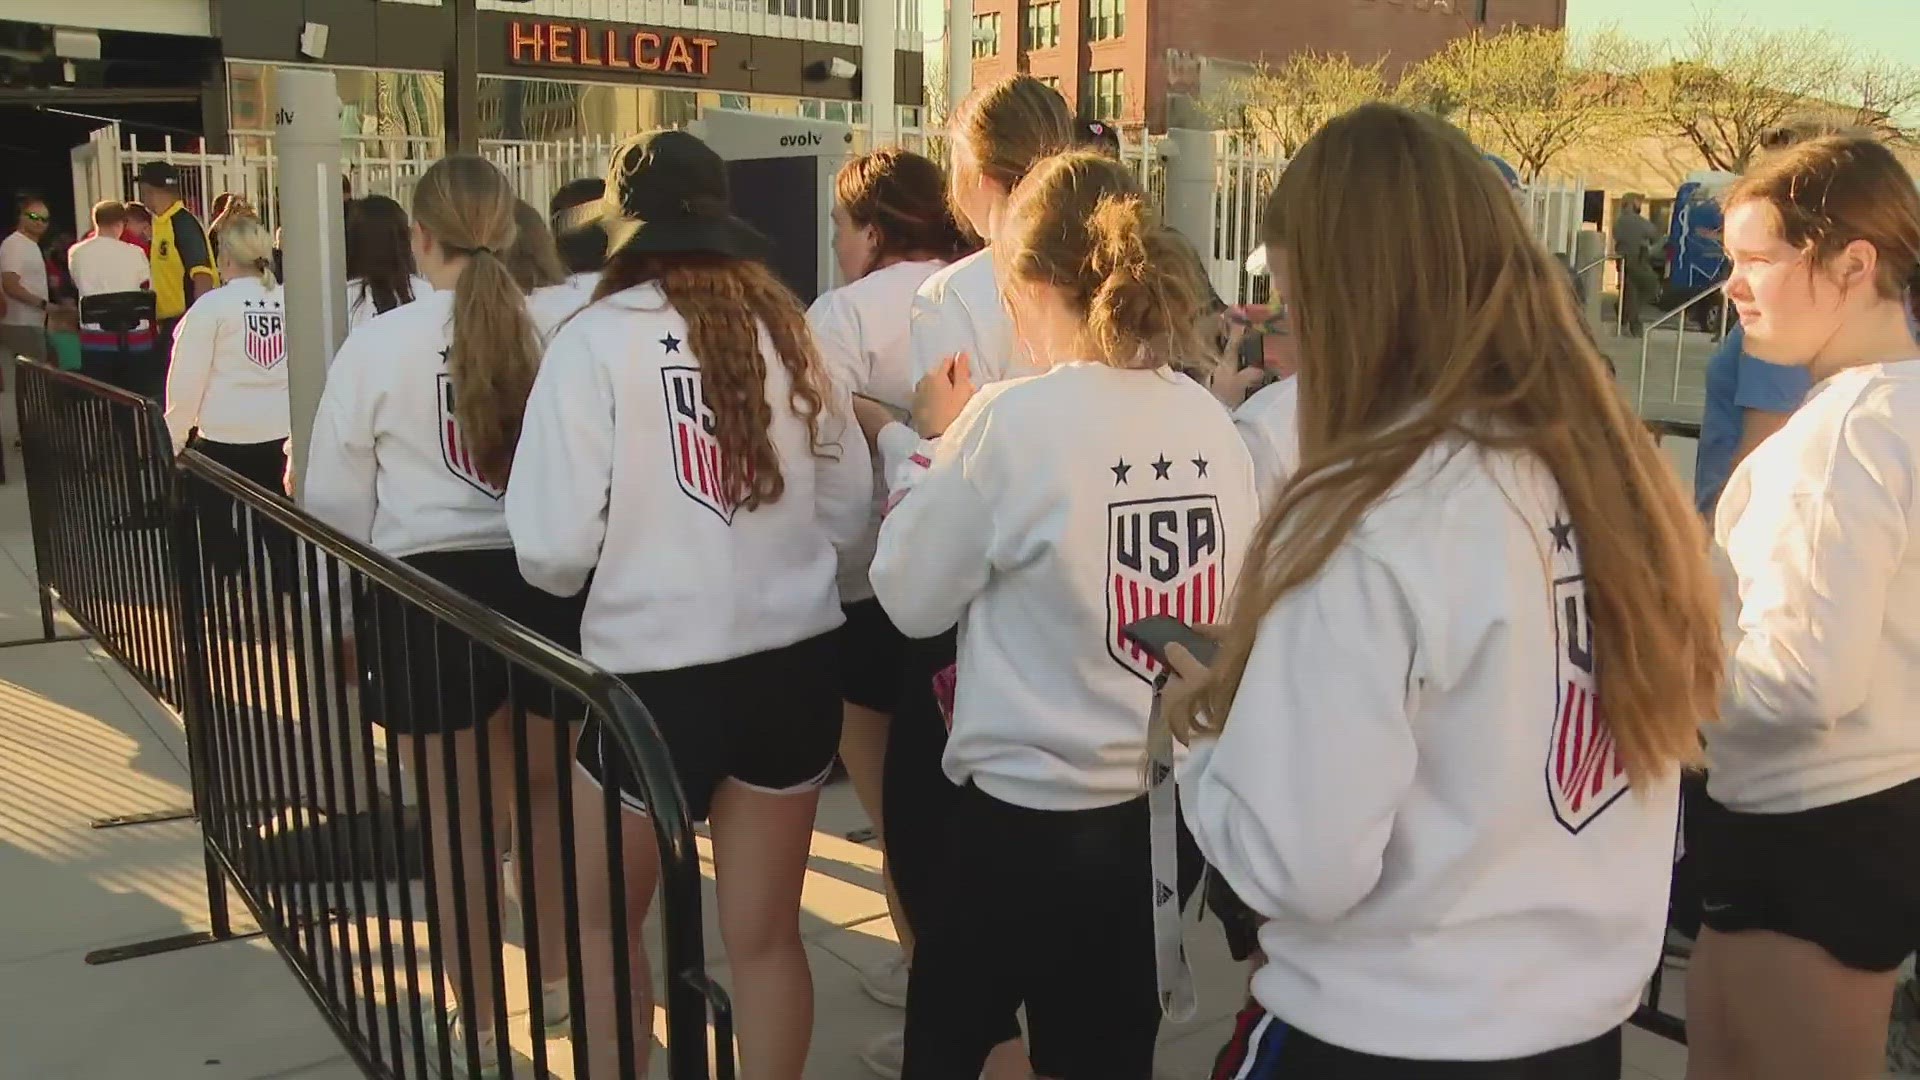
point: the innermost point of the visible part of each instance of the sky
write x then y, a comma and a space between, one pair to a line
1890, 27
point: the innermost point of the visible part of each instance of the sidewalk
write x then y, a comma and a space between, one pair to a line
79, 740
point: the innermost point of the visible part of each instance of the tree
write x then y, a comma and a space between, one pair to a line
1882, 97
1730, 85
1534, 93
1285, 105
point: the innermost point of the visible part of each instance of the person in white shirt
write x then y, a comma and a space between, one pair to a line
686, 449
1000, 132
227, 382
23, 281
552, 295
1809, 847
413, 444
104, 264
380, 270
892, 229
1439, 749
1044, 515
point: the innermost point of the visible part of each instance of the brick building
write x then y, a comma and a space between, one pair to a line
1154, 61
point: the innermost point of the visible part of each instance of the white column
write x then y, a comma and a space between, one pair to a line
959, 51
1190, 196
879, 37
306, 138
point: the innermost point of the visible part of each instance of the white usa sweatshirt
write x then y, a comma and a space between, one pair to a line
1416, 788
1270, 423
617, 475
863, 330
361, 307
388, 465
1820, 572
959, 309
228, 376
1057, 510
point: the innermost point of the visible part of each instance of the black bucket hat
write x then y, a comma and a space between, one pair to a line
667, 195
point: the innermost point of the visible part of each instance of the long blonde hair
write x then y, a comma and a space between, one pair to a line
1425, 311
467, 206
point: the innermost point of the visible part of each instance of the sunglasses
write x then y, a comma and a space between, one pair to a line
31, 216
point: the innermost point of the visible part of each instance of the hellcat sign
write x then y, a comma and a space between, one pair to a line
576, 45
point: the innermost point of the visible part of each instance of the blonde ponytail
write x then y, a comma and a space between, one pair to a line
1080, 222
467, 206
246, 243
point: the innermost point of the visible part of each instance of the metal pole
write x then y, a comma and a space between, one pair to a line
463, 84
306, 137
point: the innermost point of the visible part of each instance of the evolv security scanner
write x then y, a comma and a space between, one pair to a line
782, 169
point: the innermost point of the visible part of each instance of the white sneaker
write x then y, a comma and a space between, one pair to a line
887, 984
886, 1055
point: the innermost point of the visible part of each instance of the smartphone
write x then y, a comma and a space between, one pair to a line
905, 416
1155, 632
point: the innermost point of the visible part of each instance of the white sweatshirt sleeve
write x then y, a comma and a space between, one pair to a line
1268, 424
843, 475
1813, 606
940, 329
932, 557
341, 468
563, 469
838, 338
1295, 802
190, 370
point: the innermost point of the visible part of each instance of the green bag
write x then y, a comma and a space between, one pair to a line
66, 348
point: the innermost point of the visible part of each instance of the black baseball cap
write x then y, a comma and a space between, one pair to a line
667, 194
160, 174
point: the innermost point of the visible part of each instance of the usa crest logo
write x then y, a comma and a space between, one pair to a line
1584, 773
266, 336
696, 452
454, 449
1164, 557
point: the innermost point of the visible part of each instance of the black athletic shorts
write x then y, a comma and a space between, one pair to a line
1845, 877
424, 678
872, 652
770, 720
1263, 1047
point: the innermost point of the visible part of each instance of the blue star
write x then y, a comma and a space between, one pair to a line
1562, 534
1161, 467
1120, 472
672, 343
1200, 463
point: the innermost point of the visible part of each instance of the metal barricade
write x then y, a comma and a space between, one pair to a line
376, 862
309, 658
99, 472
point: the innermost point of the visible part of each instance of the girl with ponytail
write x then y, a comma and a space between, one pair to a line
227, 384
1044, 515
413, 445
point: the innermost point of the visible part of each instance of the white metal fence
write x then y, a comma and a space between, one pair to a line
374, 165
1244, 174
1246, 170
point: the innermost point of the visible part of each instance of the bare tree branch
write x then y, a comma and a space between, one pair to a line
1535, 93
1285, 105
1729, 85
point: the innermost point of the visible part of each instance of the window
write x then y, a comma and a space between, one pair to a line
1043, 26
1051, 82
986, 35
1104, 94
1106, 19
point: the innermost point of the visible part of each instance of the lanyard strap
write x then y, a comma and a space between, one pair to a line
1175, 977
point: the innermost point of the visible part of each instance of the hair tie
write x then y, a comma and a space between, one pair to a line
480, 249
262, 263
